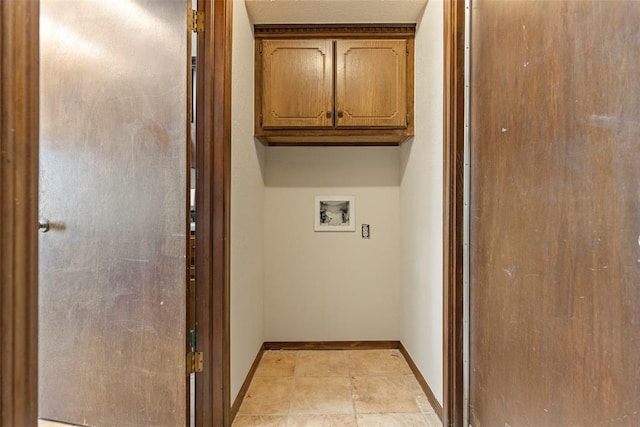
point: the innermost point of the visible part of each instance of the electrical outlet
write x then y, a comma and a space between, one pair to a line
366, 231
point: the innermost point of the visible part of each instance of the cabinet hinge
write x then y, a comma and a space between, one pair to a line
260, 120
407, 48
260, 48
195, 20
195, 362
407, 118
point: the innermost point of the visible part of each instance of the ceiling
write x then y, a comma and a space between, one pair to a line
334, 11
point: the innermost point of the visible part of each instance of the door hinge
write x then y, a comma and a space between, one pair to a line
407, 117
195, 362
407, 48
195, 21
260, 47
192, 339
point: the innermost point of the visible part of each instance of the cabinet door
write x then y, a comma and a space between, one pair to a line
297, 83
371, 83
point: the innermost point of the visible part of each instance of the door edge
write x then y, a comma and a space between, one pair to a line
19, 109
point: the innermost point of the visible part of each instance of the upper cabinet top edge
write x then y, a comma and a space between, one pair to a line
335, 30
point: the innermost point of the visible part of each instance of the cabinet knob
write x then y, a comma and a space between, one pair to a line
340, 114
328, 114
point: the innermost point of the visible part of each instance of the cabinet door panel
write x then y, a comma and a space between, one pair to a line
371, 83
297, 83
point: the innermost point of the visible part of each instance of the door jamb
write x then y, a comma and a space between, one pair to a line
213, 177
454, 99
19, 109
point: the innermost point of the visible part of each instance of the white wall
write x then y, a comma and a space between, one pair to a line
331, 285
247, 209
421, 195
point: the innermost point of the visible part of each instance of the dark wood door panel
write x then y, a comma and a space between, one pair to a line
555, 213
113, 162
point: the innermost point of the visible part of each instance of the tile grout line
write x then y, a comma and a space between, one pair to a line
353, 397
293, 386
407, 383
415, 399
414, 393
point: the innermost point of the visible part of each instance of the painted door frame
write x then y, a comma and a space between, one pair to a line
19, 107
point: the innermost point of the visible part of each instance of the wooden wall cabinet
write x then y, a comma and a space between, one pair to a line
334, 85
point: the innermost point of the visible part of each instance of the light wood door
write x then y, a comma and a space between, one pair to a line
112, 270
297, 83
555, 213
371, 83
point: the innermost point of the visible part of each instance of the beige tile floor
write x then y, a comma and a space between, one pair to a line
335, 388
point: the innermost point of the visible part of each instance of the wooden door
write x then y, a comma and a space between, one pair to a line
297, 83
555, 213
113, 165
371, 83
